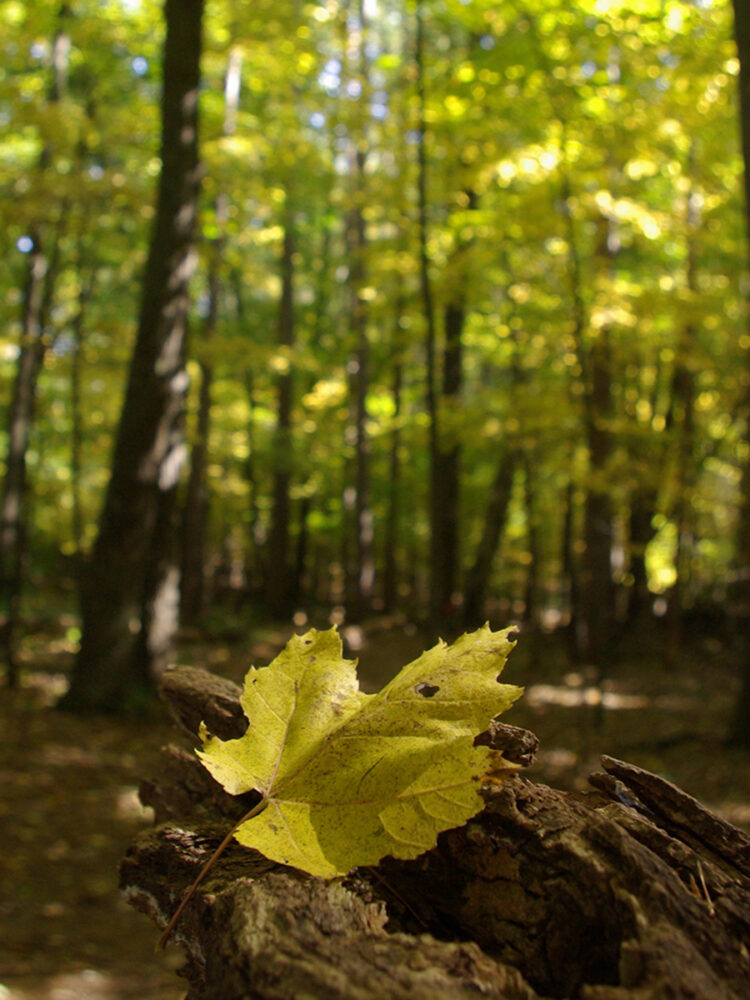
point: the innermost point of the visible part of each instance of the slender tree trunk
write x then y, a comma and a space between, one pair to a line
681, 417
12, 531
129, 596
642, 510
76, 419
195, 510
445, 473
478, 576
37, 299
740, 732
362, 584
430, 331
195, 507
255, 560
683, 393
597, 592
391, 532
278, 587
594, 614
297, 591
257, 535
531, 598
571, 570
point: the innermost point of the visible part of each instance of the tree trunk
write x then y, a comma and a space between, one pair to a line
128, 599
256, 555
297, 590
363, 578
443, 450
683, 393
740, 733
278, 586
593, 610
391, 532
571, 570
37, 299
682, 418
595, 613
531, 598
642, 510
195, 511
86, 287
20, 416
195, 508
597, 592
629, 891
445, 474
478, 576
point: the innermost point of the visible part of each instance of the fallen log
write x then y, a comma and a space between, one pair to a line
629, 891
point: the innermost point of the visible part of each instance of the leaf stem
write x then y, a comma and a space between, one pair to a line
257, 808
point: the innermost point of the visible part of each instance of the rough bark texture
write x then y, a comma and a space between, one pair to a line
130, 592
632, 891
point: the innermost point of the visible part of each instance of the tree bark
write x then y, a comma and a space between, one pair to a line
597, 593
430, 331
445, 473
129, 595
195, 508
594, 616
20, 416
392, 520
362, 578
532, 595
278, 587
299, 584
86, 287
478, 576
642, 510
740, 733
41, 273
628, 891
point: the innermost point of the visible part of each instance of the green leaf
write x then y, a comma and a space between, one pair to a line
348, 778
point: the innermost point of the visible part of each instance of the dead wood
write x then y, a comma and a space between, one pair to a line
632, 891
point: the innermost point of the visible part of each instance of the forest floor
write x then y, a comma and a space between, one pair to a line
68, 786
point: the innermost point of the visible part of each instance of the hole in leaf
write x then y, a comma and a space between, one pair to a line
427, 690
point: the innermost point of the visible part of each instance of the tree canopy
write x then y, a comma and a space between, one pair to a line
468, 322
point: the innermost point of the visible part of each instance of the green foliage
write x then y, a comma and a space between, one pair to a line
560, 120
347, 778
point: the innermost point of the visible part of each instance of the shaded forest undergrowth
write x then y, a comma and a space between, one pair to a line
68, 786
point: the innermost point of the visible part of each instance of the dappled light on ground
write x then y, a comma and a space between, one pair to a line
573, 697
69, 805
69, 808
89, 984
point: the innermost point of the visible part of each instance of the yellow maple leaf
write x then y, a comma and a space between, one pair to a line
347, 778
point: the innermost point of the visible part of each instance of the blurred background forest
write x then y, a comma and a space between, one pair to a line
467, 317
418, 314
